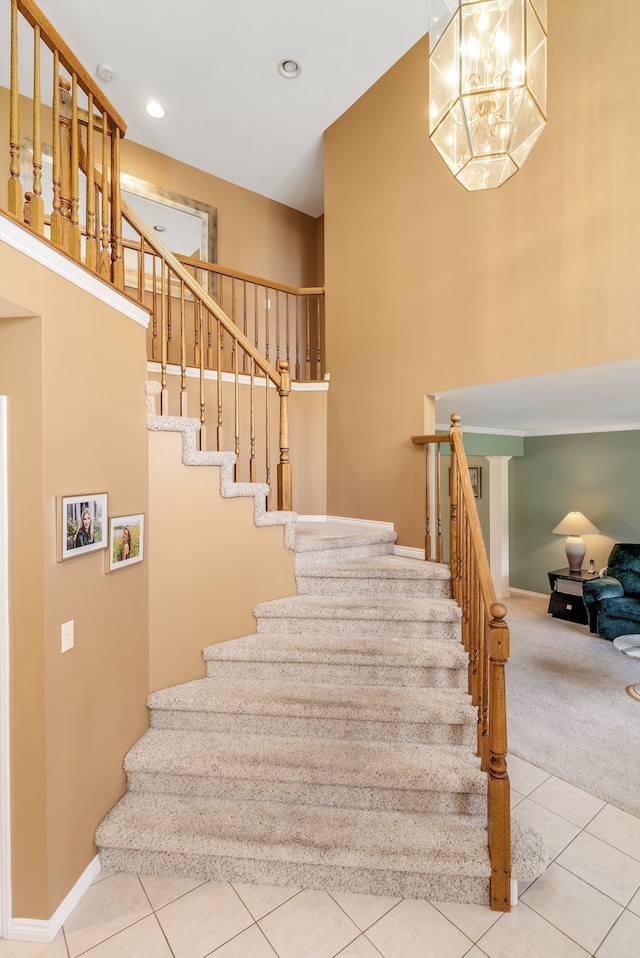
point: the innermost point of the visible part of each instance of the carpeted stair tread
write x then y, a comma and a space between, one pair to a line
401, 766
383, 567
360, 607
380, 704
338, 650
320, 536
451, 845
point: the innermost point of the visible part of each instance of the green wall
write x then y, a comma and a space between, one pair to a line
595, 473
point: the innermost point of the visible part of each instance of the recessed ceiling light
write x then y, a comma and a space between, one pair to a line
289, 69
154, 109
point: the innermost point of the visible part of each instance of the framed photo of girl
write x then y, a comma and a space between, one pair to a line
82, 524
126, 541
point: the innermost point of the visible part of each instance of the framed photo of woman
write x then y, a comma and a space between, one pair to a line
126, 541
82, 524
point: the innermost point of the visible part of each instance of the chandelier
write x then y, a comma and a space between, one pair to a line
487, 86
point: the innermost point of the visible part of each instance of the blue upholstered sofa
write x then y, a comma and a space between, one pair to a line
613, 601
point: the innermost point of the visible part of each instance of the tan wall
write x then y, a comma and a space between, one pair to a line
74, 376
209, 565
430, 287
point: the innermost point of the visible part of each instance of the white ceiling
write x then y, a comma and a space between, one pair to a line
213, 65
590, 399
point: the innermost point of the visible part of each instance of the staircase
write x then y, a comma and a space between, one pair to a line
335, 748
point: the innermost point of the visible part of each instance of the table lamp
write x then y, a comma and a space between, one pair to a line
575, 525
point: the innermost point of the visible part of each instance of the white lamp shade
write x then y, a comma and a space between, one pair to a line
576, 524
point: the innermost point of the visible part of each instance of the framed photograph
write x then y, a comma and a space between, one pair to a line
126, 541
474, 472
82, 524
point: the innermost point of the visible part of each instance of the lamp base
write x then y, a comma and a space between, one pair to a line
575, 548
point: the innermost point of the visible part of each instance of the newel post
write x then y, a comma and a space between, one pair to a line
285, 494
499, 817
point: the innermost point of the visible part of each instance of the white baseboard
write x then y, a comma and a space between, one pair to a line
365, 523
32, 929
409, 552
536, 595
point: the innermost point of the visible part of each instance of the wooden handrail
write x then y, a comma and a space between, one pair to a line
485, 637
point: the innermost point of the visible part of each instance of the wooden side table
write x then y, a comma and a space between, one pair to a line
566, 594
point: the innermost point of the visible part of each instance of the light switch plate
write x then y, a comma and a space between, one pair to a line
68, 640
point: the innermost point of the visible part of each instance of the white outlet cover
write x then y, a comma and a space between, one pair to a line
67, 635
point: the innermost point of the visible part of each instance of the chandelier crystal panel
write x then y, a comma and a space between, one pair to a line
487, 86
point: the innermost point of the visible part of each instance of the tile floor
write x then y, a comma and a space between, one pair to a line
586, 904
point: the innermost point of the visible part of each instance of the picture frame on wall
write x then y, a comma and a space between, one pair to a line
475, 474
82, 524
126, 541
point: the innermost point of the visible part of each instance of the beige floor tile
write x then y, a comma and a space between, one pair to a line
248, 944
524, 934
472, 920
311, 924
556, 831
29, 949
623, 941
475, 953
102, 874
515, 797
162, 890
261, 899
360, 948
619, 829
143, 938
606, 868
524, 776
567, 801
634, 904
105, 909
415, 929
574, 907
363, 909
203, 919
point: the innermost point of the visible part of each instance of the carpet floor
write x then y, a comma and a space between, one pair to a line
567, 705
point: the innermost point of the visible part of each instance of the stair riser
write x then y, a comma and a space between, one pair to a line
329, 557
261, 870
374, 588
259, 789
357, 675
426, 733
380, 628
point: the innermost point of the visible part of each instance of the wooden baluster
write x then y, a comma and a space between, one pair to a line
252, 425
164, 343
209, 340
498, 788
66, 110
438, 503
220, 430
203, 427
220, 359
196, 336
37, 203
287, 298
244, 323
256, 323
141, 277
266, 324
318, 339
105, 264
154, 300
234, 355
116, 207
285, 493
169, 316
236, 398
91, 252
483, 683
307, 365
277, 296
427, 502
267, 383
56, 213
298, 336
183, 351
74, 231
14, 200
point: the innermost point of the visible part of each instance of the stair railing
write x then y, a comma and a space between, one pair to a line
75, 108
485, 636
